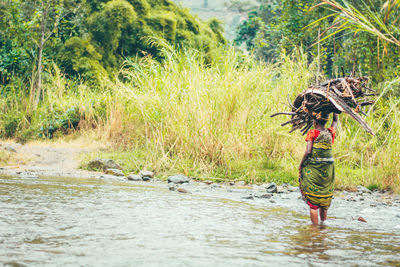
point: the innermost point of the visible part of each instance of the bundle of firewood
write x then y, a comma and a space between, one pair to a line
346, 95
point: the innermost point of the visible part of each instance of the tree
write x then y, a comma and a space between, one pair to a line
45, 20
374, 22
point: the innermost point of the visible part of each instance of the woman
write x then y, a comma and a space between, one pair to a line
316, 170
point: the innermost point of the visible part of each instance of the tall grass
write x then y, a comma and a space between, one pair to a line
212, 120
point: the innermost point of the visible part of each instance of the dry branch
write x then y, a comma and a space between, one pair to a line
333, 96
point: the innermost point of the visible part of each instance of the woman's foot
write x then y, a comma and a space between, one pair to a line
314, 216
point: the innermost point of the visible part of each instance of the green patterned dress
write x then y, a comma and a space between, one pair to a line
317, 181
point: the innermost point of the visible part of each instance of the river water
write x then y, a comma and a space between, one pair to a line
93, 222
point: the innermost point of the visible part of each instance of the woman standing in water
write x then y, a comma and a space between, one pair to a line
316, 170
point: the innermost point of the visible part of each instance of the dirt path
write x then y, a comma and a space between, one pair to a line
46, 159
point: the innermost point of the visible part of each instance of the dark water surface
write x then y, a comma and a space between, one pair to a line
87, 222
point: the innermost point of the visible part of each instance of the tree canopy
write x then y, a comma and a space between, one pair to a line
91, 39
283, 26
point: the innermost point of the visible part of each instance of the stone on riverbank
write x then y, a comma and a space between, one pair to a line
271, 188
10, 149
103, 164
134, 177
115, 172
178, 179
363, 189
146, 175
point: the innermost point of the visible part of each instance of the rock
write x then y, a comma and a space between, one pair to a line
171, 187
178, 179
351, 199
271, 188
134, 177
208, 182
231, 183
248, 197
103, 164
363, 189
10, 149
183, 190
265, 196
292, 188
146, 175
116, 172
281, 189
146, 178
361, 219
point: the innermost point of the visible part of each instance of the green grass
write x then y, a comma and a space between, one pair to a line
212, 120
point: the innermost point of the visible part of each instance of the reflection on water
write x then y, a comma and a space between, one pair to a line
94, 222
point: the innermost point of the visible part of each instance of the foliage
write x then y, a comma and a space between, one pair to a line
282, 26
91, 39
206, 119
212, 120
367, 20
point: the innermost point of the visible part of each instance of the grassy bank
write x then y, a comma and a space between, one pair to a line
208, 120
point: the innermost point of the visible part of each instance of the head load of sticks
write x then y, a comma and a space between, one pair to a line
346, 95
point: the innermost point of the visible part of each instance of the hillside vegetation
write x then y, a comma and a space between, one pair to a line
172, 97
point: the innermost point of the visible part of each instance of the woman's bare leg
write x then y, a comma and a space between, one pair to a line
323, 213
314, 216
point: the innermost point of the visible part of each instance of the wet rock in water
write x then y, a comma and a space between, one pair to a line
146, 175
10, 149
208, 182
103, 164
363, 189
351, 199
281, 189
134, 177
231, 183
172, 187
146, 178
265, 196
248, 197
178, 179
292, 188
359, 218
115, 172
271, 188
183, 190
